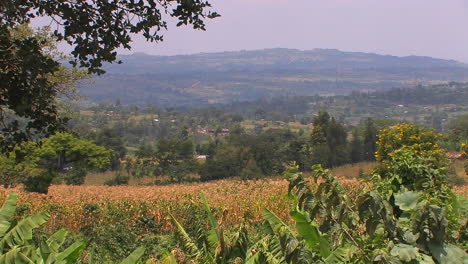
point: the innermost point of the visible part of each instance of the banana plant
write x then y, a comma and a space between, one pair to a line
280, 243
216, 246
17, 245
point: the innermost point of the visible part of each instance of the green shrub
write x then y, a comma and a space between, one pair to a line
39, 183
118, 233
118, 180
75, 176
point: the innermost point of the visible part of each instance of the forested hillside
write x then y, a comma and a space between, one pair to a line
430, 105
207, 78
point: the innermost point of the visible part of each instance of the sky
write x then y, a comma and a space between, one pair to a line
436, 28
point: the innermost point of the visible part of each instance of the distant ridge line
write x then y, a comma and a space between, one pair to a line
292, 50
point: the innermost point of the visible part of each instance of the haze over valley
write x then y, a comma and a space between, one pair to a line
209, 78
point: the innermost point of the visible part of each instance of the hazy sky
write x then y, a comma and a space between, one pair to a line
437, 28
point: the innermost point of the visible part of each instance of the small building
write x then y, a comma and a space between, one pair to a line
224, 132
455, 155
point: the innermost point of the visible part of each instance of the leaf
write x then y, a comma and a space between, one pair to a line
44, 254
406, 200
189, 244
275, 222
16, 256
134, 257
405, 252
314, 239
71, 253
56, 240
21, 234
255, 259
214, 236
7, 212
425, 259
211, 218
410, 238
297, 216
311, 234
448, 254
339, 255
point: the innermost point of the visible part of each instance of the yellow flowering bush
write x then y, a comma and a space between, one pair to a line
420, 139
410, 157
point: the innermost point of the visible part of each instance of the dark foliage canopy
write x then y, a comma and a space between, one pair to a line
94, 28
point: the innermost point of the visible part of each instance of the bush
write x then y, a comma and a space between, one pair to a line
218, 169
420, 139
76, 176
39, 183
118, 180
118, 232
251, 171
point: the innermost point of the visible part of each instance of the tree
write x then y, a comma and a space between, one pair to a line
109, 139
328, 139
28, 106
227, 162
268, 151
250, 171
299, 151
19, 164
320, 122
175, 157
63, 151
95, 29
370, 139
61, 154
355, 148
459, 129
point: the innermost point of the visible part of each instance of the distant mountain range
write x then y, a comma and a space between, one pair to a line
207, 78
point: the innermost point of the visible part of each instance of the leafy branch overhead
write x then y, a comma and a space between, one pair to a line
95, 29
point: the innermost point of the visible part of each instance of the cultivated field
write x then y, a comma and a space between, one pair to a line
242, 200
68, 204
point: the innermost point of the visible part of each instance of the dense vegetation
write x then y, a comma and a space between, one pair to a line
405, 212
247, 141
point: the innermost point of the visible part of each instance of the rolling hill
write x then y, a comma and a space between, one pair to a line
208, 78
